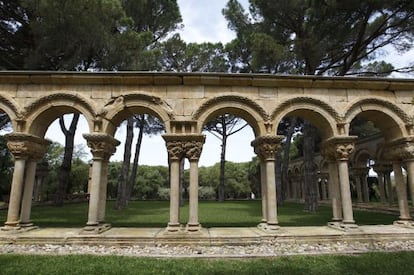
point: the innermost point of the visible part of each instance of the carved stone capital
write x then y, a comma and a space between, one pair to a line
102, 145
180, 146
27, 146
338, 148
400, 150
266, 146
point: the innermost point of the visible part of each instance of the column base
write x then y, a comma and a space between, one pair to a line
404, 223
270, 227
173, 227
343, 226
262, 225
195, 227
95, 229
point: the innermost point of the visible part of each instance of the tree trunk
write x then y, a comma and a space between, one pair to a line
134, 171
309, 171
222, 161
65, 168
121, 199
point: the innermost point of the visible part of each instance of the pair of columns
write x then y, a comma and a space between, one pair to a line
401, 152
27, 151
102, 147
337, 151
180, 147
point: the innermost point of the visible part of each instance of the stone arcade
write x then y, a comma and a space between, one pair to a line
185, 102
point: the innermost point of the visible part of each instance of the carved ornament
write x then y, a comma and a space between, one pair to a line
188, 146
400, 150
102, 145
266, 146
338, 148
27, 146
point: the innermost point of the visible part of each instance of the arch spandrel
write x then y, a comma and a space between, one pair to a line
319, 113
388, 117
9, 107
120, 108
42, 112
242, 107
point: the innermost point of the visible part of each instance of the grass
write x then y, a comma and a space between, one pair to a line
211, 214
369, 263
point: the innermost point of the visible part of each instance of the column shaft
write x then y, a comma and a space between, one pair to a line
103, 192
193, 224
335, 192
401, 191
28, 193
271, 194
348, 216
410, 170
94, 196
264, 190
174, 223
16, 193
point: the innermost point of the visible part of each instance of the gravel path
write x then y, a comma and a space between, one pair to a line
165, 251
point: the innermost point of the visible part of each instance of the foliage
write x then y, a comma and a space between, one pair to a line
6, 168
178, 56
318, 37
82, 35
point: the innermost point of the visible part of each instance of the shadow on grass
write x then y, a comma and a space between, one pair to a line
211, 214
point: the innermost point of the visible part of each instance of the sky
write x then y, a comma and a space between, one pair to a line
203, 22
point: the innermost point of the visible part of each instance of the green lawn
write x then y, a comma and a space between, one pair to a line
211, 214
369, 263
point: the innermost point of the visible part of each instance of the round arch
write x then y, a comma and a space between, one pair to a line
122, 107
386, 116
242, 107
41, 113
360, 157
319, 113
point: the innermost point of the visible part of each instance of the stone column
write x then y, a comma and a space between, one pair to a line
103, 188
410, 170
323, 186
15, 192
380, 170
340, 148
102, 147
28, 194
176, 151
401, 192
193, 148
335, 193
266, 147
24, 147
399, 151
264, 191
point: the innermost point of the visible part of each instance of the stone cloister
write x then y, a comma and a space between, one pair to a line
184, 103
